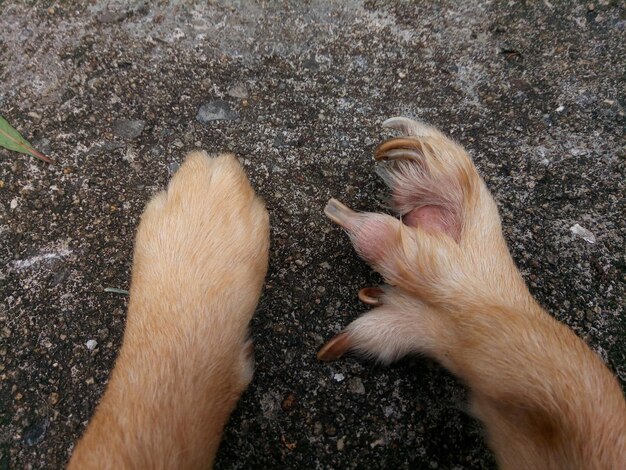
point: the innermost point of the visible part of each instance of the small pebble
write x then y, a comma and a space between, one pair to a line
127, 129
355, 385
91, 344
583, 233
340, 444
288, 402
53, 399
216, 110
377, 442
36, 433
238, 91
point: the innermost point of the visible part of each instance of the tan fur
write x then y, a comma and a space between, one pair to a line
200, 258
454, 293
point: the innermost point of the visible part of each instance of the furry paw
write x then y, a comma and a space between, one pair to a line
202, 249
445, 250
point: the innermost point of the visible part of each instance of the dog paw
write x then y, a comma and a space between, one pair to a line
209, 220
201, 252
443, 250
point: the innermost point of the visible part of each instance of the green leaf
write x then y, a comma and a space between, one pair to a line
12, 140
115, 290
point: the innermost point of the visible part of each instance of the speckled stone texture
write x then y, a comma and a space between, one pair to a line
113, 91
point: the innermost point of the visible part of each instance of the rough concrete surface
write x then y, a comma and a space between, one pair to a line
118, 92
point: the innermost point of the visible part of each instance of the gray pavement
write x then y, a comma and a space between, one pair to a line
118, 92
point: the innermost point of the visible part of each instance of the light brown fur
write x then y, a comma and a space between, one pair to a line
200, 258
454, 294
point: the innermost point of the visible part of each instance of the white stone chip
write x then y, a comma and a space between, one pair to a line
583, 233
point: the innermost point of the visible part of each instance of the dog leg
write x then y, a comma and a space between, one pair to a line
200, 258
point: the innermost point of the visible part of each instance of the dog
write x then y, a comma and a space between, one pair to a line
453, 293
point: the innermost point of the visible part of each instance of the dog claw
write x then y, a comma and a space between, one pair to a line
336, 347
371, 296
339, 213
398, 123
398, 154
410, 127
405, 148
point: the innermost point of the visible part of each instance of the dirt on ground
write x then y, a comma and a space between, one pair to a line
117, 93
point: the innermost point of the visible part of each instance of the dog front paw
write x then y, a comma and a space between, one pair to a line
444, 251
201, 255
